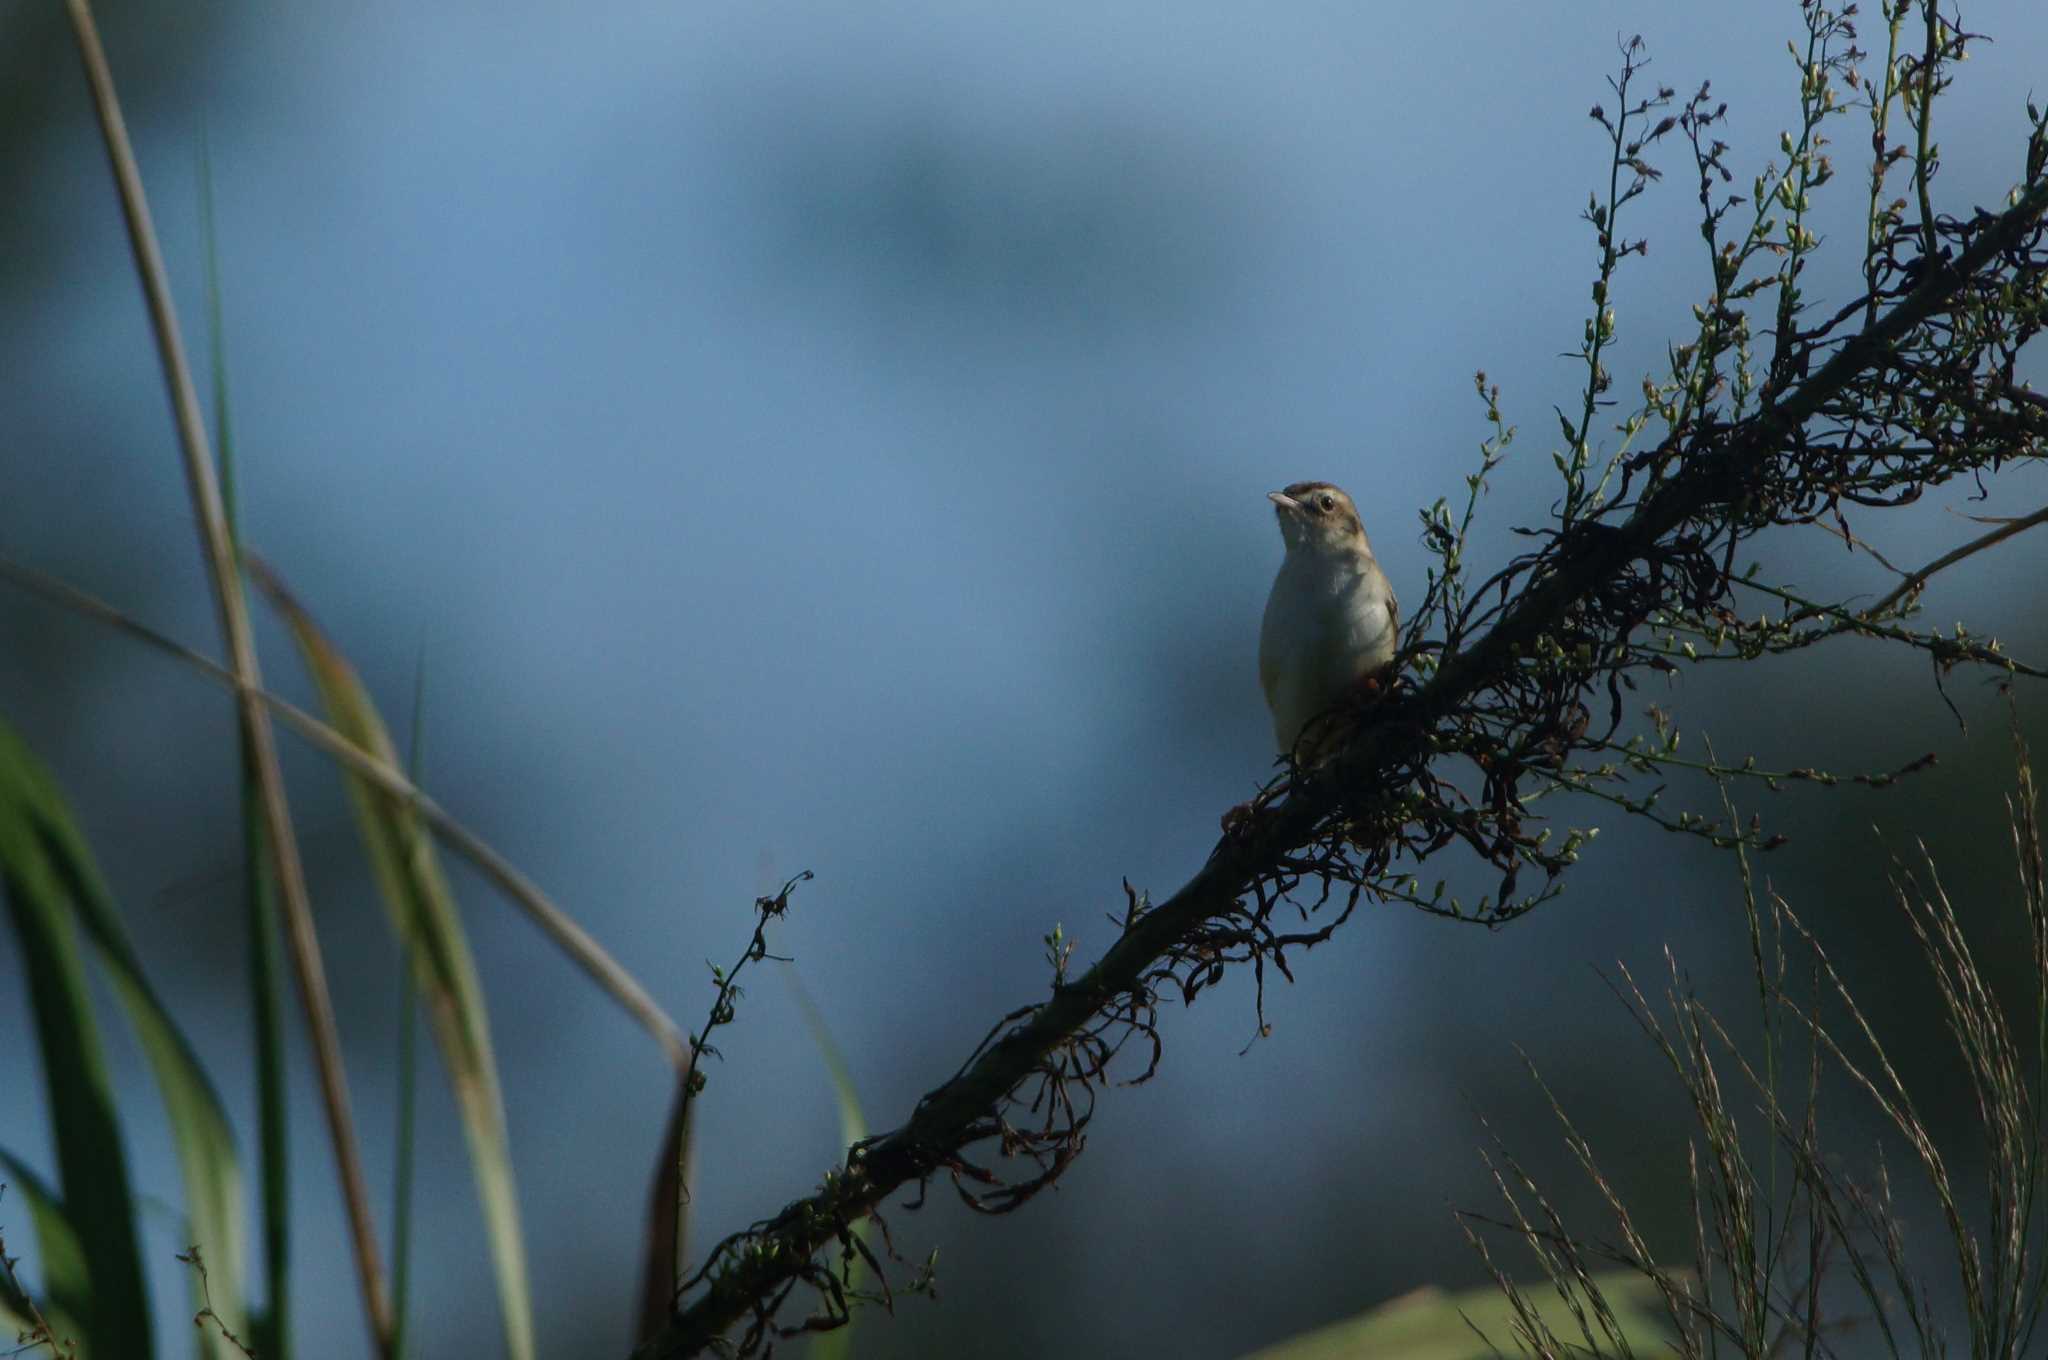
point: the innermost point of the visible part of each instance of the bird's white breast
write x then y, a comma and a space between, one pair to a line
1326, 625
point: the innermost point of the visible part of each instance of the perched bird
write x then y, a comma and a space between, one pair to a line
1332, 620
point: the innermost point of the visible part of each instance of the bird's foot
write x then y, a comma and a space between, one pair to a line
1369, 688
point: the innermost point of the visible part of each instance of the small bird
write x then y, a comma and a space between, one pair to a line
1332, 620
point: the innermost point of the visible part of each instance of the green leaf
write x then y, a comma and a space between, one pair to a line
1430, 1324
103, 1286
200, 1132
53, 886
54, 883
67, 1285
853, 1126
408, 1084
269, 1331
424, 913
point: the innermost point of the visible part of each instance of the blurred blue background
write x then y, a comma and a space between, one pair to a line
835, 437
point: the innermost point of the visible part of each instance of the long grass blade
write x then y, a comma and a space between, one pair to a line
408, 1070
103, 1286
218, 550
836, 1344
668, 1223
270, 1328
424, 913
560, 928
38, 819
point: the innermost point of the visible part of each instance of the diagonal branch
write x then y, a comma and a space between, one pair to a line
1717, 480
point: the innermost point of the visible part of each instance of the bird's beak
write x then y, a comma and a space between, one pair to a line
1284, 502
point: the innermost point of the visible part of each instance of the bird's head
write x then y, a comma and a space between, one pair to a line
1319, 518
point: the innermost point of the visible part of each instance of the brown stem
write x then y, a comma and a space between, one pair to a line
1917, 579
218, 550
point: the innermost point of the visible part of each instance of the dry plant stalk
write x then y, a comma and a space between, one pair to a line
1821, 1267
217, 547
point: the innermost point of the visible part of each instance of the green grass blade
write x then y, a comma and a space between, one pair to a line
270, 1330
401, 1192
853, 1126
38, 819
67, 1286
408, 1067
216, 341
424, 913
15, 1304
95, 1274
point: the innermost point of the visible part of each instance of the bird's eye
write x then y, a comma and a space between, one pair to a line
1328, 502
